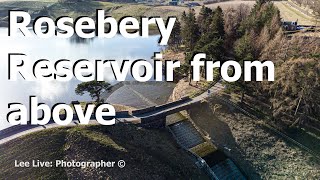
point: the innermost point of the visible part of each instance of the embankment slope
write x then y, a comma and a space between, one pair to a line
148, 153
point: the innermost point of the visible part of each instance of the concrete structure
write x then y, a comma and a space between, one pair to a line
151, 117
290, 25
208, 157
189, 137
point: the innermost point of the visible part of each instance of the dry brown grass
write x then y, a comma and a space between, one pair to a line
224, 5
289, 13
228, 4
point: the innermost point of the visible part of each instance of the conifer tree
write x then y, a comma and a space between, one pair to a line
190, 31
217, 24
175, 36
204, 19
243, 52
213, 38
183, 17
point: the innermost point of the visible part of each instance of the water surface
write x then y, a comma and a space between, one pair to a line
53, 49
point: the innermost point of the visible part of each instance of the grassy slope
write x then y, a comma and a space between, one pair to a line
21, 5
289, 13
257, 150
119, 10
148, 153
45, 145
114, 9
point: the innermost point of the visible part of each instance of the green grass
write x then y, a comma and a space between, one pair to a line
116, 10
86, 9
148, 153
74, 10
46, 145
79, 9
29, 6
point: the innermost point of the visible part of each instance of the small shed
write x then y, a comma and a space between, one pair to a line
290, 25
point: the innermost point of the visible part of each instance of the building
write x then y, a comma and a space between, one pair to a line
193, 4
290, 25
173, 3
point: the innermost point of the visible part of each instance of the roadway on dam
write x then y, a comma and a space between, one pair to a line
162, 110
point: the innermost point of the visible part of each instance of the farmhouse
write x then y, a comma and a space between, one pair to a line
290, 25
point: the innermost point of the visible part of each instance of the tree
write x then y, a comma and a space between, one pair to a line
213, 47
260, 2
187, 68
204, 19
190, 31
175, 36
212, 42
94, 88
297, 88
184, 17
256, 31
232, 21
260, 16
244, 51
217, 23
215, 31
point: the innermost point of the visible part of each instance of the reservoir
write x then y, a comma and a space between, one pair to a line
74, 48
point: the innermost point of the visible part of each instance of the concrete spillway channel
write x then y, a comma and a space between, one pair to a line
206, 155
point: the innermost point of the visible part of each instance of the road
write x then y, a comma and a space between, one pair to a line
162, 110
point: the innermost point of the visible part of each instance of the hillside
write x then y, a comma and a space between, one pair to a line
292, 12
259, 151
148, 153
309, 5
54, 9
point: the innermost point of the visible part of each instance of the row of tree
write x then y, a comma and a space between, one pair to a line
246, 34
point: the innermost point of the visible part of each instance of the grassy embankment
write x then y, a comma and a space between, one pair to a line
261, 153
119, 10
290, 13
148, 153
116, 10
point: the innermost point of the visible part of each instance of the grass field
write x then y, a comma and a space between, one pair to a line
148, 153
46, 145
116, 10
119, 10
289, 13
29, 6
